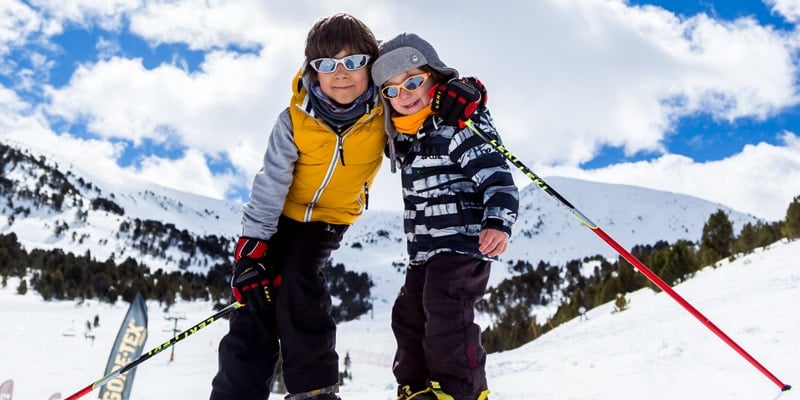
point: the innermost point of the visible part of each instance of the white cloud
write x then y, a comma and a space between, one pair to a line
789, 9
13, 111
16, 23
107, 14
29, 128
98, 158
592, 73
761, 180
207, 24
229, 106
189, 174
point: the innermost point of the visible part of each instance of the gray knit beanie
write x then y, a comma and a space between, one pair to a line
404, 52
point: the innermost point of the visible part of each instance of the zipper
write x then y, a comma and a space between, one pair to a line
338, 154
366, 196
340, 146
322, 186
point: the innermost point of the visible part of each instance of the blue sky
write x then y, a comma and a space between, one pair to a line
700, 136
696, 97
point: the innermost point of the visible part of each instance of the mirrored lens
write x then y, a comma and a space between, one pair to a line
356, 61
411, 84
350, 63
325, 65
391, 92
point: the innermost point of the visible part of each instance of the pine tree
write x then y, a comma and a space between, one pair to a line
717, 238
678, 262
791, 226
621, 303
23, 287
511, 330
768, 233
746, 241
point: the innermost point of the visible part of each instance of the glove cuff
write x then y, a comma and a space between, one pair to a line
250, 248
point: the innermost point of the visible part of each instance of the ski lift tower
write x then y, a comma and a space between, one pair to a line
175, 331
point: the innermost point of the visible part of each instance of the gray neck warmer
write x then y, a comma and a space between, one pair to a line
335, 115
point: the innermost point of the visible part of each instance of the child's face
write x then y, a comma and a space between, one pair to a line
341, 85
408, 102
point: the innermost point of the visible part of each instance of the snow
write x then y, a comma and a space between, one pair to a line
653, 350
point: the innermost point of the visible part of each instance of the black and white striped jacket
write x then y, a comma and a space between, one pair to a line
454, 184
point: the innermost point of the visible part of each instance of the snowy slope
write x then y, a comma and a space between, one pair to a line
654, 350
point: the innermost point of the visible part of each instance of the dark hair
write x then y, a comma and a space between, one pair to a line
436, 76
332, 34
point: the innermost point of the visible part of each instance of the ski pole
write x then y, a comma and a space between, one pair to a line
624, 253
177, 338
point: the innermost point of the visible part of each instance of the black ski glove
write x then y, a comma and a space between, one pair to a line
456, 100
254, 279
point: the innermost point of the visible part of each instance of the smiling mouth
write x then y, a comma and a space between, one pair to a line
412, 105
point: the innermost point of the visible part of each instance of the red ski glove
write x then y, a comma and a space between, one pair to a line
253, 280
457, 100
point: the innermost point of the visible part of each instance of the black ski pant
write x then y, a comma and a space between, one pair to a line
299, 325
432, 321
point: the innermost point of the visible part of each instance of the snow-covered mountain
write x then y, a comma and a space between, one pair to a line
49, 203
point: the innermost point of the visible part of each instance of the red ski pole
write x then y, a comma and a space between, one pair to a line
625, 254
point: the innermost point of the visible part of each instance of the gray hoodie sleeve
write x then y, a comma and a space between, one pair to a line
271, 183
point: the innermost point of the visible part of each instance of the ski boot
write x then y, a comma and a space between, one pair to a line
326, 393
436, 388
406, 392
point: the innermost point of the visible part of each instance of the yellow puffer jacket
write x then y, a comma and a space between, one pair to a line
333, 173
